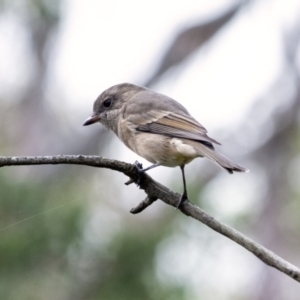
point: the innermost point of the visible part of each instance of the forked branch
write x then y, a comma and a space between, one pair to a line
154, 191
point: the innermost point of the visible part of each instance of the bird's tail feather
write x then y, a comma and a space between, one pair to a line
221, 160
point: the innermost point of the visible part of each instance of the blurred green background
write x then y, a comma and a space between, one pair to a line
66, 231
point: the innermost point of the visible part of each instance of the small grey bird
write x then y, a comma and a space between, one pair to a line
157, 128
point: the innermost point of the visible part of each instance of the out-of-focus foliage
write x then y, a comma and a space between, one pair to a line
30, 254
62, 234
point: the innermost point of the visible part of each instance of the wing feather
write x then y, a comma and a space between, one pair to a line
174, 125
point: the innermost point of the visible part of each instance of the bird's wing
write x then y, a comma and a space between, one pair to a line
171, 124
166, 117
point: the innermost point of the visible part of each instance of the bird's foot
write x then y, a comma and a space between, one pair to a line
140, 170
183, 198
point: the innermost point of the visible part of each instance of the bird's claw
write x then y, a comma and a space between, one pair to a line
138, 166
140, 170
183, 198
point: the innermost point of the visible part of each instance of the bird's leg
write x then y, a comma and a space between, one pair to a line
140, 170
184, 195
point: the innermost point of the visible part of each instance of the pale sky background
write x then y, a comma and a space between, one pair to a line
102, 43
105, 43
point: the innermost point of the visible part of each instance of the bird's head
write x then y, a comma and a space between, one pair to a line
108, 105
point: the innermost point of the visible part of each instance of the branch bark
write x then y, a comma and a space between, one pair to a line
155, 190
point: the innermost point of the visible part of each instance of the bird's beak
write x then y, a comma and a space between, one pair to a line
91, 120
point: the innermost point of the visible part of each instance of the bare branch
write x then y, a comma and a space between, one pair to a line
143, 205
155, 190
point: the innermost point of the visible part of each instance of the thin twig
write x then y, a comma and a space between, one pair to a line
143, 205
155, 190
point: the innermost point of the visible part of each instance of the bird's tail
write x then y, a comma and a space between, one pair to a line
218, 158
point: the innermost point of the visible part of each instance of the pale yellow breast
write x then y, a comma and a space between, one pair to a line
126, 133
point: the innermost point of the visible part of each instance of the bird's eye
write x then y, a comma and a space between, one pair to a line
107, 103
